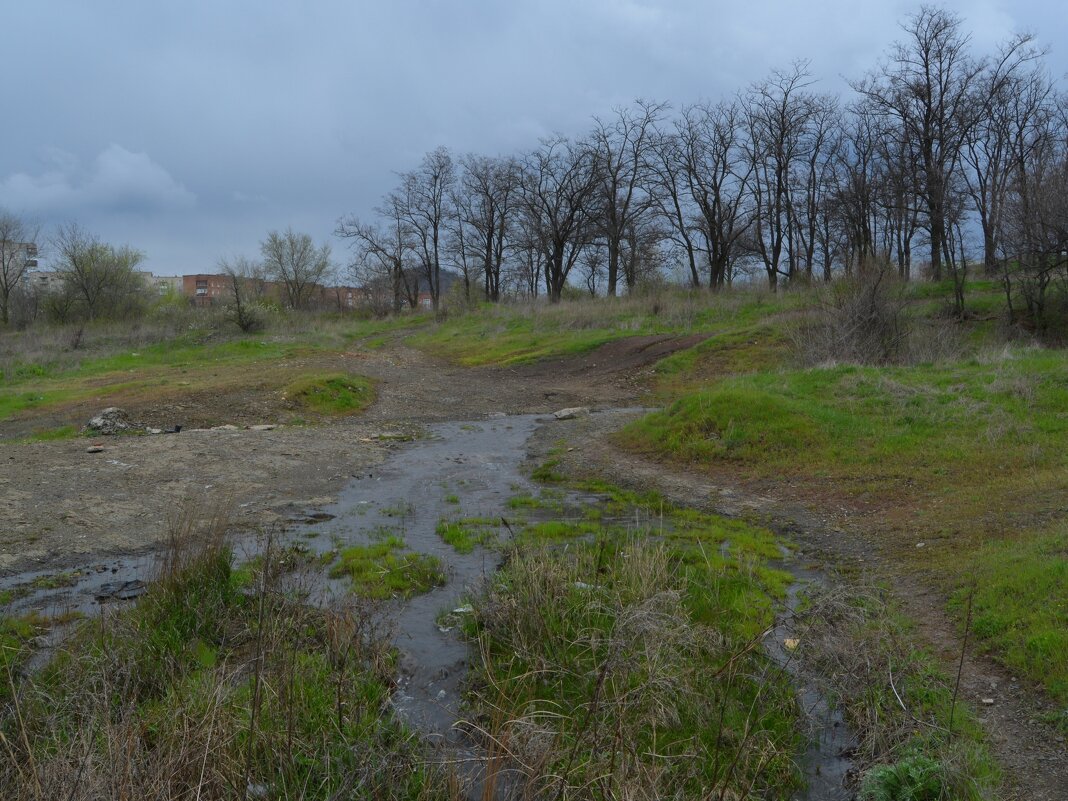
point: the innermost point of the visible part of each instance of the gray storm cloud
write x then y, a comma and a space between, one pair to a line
117, 180
190, 130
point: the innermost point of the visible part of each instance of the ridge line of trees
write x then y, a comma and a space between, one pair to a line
958, 157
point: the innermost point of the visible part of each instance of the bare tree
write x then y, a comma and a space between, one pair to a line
1017, 114
936, 93
384, 252
426, 192
778, 111
296, 263
485, 206
102, 277
621, 143
18, 253
559, 185
669, 176
717, 178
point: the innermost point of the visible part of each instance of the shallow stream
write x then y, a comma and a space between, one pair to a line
460, 469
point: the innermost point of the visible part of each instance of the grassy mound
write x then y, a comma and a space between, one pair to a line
332, 393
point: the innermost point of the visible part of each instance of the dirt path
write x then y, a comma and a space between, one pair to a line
1033, 755
61, 505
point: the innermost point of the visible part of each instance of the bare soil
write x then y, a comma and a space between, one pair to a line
61, 505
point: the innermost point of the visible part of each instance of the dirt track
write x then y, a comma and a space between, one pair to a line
62, 505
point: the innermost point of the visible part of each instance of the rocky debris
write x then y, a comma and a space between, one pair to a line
225, 427
111, 420
153, 430
95, 449
121, 591
263, 427
572, 413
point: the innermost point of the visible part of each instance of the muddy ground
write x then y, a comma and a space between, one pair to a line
61, 505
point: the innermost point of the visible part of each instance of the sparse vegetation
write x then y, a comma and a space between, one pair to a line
384, 570
618, 662
468, 532
331, 394
216, 685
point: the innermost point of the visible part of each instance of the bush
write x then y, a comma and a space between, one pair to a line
914, 778
860, 319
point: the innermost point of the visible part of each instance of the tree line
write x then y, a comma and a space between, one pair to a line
942, 158
941, 162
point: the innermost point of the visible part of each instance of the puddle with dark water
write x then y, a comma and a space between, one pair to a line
826, 762
478, 462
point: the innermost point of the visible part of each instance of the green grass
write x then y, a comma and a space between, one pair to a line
911, 735
16, 635
523, 333
971, 422
629, 657
1020, 606
332, 393
207, 685
967, 457
543, 500
383, 570
111, 367
53, 434
468, 532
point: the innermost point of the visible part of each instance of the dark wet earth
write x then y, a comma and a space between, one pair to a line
478, 464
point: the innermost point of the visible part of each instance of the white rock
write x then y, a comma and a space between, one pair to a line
263, 427
572, 413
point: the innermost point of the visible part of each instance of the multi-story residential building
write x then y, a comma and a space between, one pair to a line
43, 281
204, 289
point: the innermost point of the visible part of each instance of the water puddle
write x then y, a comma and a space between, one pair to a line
826, 762
460, 470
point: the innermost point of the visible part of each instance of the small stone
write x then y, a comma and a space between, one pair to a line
463, 610
153, 430
225, 427
988, 702
791, 643
441, 695
571, 413
263, 427
111, 420
921, 544
95, 449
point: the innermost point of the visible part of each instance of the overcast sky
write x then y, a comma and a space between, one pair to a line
189, 130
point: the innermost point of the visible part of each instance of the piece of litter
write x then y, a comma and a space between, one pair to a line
791, 643
988, 702
463, 610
